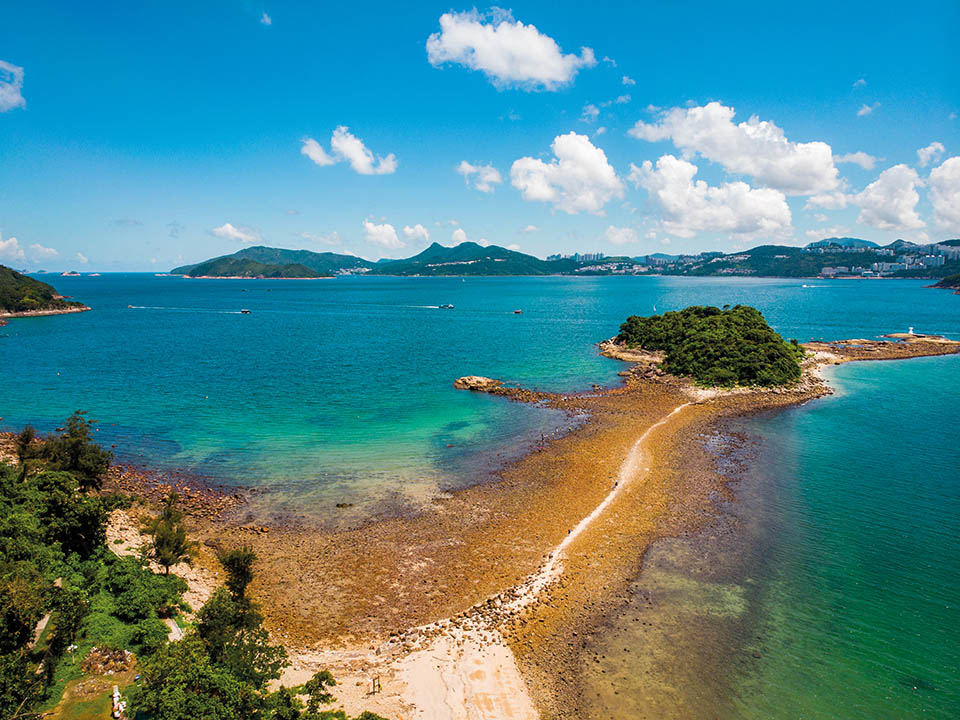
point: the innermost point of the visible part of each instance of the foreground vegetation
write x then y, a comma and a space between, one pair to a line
19, 293
732, 346
71, 608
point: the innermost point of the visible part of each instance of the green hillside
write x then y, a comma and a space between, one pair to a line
325, 263
469, 258
242, 267
19, 293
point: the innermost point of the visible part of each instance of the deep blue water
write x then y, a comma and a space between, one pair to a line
341, 389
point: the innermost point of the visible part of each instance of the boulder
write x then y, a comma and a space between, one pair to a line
476, 383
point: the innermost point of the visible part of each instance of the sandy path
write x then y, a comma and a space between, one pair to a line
466, 672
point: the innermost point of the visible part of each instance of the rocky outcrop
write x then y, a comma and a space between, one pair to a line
477, 383
612, 349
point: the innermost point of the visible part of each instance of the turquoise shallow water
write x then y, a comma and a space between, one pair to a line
830, 588
843, 577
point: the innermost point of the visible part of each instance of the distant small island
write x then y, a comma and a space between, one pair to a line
234, 267
22, 296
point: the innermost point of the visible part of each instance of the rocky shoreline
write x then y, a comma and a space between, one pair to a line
43, 313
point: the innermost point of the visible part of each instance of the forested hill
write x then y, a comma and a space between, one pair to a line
22, 294
469, 258
245, 268
325, 263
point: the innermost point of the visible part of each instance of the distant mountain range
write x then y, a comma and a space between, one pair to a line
469, 258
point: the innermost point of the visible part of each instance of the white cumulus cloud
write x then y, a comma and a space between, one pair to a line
688, 207
627, 80
756, 147
384, 235
867, 109
945, 195
10, 249
416, 233
930, 153
578, 179
11, 85
621, 235
266, 20
858, 158
345, 146
508, 52
513, 246
530, 229
231, 232
590, 113
460, 236
332, 238
483, 177
314, 150
828, 201
39, 252
82, 259
890, 201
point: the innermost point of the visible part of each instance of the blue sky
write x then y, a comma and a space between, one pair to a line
142, 135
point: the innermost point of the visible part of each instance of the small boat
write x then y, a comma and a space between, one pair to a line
518, 312
446, 307
244, 311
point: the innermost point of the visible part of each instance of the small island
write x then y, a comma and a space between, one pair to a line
714, 347
23, 296
232, 267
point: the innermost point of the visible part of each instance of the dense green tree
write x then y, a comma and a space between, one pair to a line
20, 688
232, 630
238, 564
22, 604
75, 452
318, 692
71, 605
181, 682
150, 634
732, 346
140, 594
76, 521
285, 705
169, 544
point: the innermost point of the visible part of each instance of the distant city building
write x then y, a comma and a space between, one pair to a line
578, 257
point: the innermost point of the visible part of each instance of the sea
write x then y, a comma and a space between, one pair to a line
831, 588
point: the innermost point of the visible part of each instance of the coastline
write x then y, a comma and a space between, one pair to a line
482, 605
243, 277
42, 313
